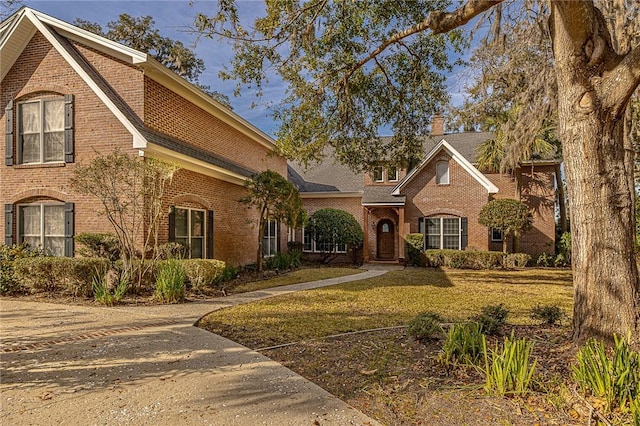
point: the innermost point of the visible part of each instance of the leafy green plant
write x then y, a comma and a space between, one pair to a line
202, 273
173, 250
98, 245
545, 259
426, 326
9, 284
512, 217
468, 259
508, 370
414, 244
463, 344
170, 283
611, 375
101, 291
548, 314
491, 318
58, 274
281, 261
516, 260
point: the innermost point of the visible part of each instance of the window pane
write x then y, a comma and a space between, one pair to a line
34, 242
433, 241
451, 226
197, 223
53, 115
451, 242
184, 241
31, 148
54, 245
54, 146
30, 221
196, 248
377, 173
53, 220
442, 172
307, 244
182, 226
341, 248
392, 173
433, 225
30, 117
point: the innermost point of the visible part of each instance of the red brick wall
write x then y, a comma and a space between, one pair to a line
539, 194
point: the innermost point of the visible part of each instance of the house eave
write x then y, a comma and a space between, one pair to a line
336, 194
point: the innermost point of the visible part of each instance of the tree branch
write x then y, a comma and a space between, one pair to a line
438, 21
623, 81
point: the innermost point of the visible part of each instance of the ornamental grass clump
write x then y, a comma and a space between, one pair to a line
101, 288
508, 370
170, 283
613, 376
463, 345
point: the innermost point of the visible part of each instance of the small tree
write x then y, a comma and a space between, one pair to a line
331, 227
275, 198
512, 217
130, 190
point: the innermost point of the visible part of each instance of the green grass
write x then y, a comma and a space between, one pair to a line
390, 300
295, 277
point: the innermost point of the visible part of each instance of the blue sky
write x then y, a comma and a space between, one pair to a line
172, 18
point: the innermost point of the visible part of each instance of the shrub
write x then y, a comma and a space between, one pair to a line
170, 283
281, 261
101, 291
229, 273
414, 244
561, 260
508, 370
516, 260
98, 245
545, 260
463, 344
487, 259
202, 272
614, 376
564, 248
426, 326
8, 254
472, 259
66, 274
491, 318
548, 314
173, 250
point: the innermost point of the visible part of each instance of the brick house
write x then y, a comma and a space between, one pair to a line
440, 198
68, 95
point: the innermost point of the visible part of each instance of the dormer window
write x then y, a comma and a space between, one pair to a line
41, 131
376, 174
392, 173
442, 173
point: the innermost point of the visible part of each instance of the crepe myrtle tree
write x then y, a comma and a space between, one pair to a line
332, 227
512, 217
275, 198
351, 67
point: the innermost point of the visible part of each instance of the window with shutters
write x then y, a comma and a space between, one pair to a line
443, 233
189, 229
41, 131
42, 226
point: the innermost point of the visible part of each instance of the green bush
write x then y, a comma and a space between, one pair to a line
516, 260
426, 326
229, 273
508, 371
545, 260
170, 283
491, 318
281, 261
414, 244
98, 245
548, 314
59, 274
101, 288
467, 259
613, 376
8, 254
202, 273
463, 344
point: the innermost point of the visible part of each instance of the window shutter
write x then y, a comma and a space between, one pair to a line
68, 229
68, 129
172, 223
8, 224
8, 134
463, 233
209, 234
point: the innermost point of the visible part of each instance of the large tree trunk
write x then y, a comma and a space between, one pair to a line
592, 99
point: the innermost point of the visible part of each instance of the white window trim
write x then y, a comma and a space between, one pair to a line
204, 230
314, 248
20, 139
269, 236
42, 235
442, 235
492, 230
441, 181
396, 178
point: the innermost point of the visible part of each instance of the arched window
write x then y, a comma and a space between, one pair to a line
442, 173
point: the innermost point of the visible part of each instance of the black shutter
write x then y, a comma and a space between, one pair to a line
463, 233
68, 229
172, 223
8, 134
68, 129
8, 224
209, 234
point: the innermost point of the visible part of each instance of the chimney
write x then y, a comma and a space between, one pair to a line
437, 125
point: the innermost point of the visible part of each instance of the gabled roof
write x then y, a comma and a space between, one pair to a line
456, 156
16, 32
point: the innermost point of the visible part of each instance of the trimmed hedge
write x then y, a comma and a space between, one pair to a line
414, 244
65, 274
202, 272
8, 254
458, 259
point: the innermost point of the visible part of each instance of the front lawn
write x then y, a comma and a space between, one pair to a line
390, 300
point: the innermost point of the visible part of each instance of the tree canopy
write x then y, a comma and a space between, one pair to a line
332, 227
140, 33
512, 217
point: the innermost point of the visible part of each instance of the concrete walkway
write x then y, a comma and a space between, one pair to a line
148, 365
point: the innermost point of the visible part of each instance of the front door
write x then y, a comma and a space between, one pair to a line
386, 240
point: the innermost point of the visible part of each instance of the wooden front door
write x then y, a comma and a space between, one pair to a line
386, 240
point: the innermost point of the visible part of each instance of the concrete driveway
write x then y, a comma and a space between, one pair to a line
76, 365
